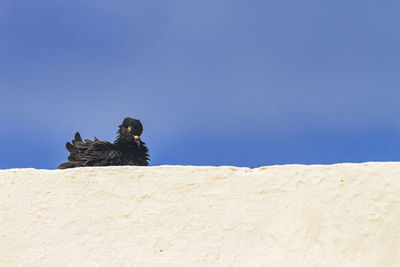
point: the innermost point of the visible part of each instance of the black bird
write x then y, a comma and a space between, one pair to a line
128, 149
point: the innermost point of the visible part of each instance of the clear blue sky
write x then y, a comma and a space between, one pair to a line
246, 83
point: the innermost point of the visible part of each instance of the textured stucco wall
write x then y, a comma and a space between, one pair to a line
293, 215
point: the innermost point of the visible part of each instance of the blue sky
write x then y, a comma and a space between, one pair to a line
246, 83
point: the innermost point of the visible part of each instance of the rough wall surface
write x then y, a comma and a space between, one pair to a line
292, 215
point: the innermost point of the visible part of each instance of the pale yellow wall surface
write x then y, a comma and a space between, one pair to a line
293, 215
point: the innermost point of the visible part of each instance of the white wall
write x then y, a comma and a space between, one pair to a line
293, 215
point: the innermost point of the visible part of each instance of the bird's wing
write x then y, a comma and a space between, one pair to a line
92, 153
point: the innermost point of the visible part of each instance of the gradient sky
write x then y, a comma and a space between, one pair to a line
246, 83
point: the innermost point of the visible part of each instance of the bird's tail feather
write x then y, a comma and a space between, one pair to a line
78, 137
69, 146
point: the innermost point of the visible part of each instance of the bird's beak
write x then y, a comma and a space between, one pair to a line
137, 139
130, 129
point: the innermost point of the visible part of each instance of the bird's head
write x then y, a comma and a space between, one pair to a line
131, 129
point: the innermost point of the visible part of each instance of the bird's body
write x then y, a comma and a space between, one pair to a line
128, 149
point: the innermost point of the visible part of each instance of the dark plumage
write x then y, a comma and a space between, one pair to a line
128, 149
